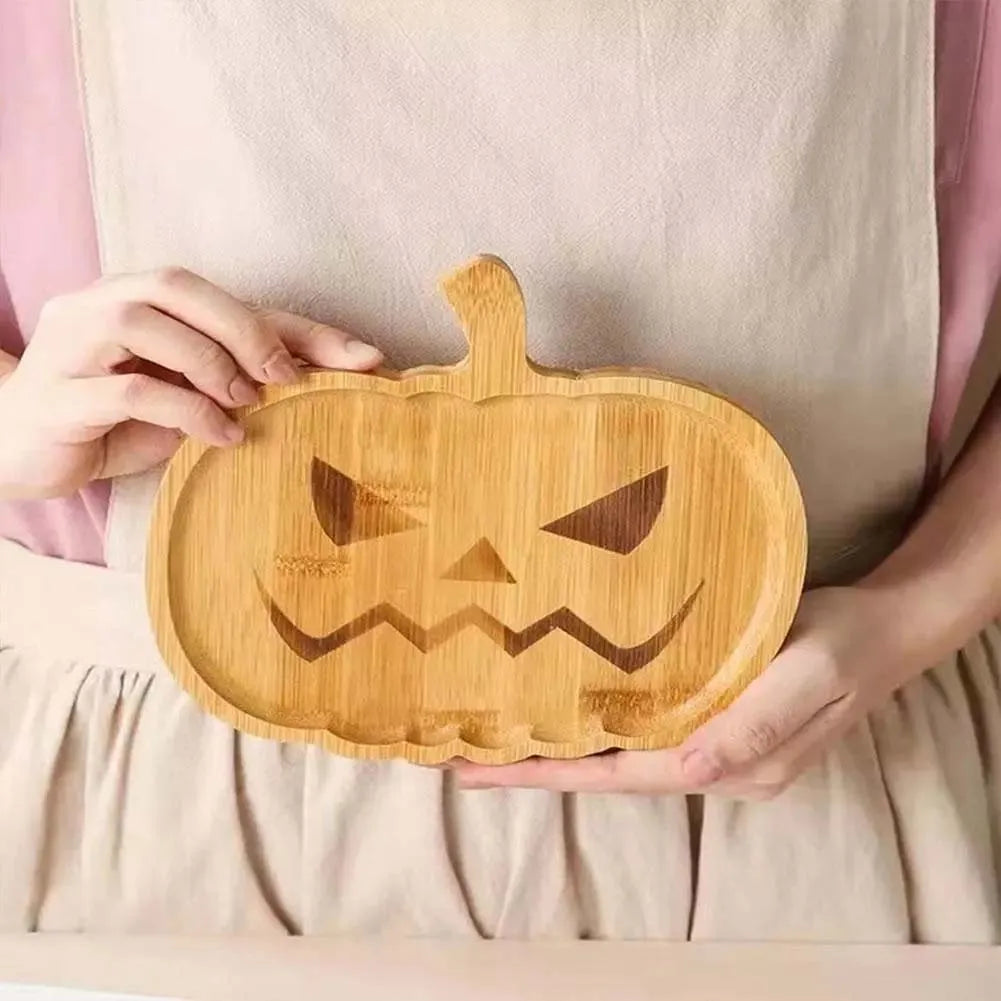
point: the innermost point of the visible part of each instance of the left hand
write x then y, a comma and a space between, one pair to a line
114, 373
844, 657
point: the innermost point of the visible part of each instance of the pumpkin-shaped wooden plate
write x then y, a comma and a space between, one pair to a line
490, 560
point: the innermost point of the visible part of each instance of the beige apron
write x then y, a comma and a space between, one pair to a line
739, 194
736, 193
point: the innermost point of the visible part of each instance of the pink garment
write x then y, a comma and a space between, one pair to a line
968, 128
48, 246
47, 240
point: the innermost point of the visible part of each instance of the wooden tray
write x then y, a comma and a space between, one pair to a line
491, 560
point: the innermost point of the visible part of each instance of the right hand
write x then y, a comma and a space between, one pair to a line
116, 373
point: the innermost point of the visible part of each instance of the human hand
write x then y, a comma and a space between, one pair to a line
844, 657
116, 372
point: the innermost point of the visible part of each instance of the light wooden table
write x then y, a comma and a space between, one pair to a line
303, 969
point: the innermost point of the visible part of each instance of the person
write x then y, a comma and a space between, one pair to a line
740, 196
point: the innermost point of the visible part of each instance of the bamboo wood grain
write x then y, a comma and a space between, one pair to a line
490, 560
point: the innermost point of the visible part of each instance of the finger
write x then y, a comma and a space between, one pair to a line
646, 772
88, 408
192, 300
662, 772
7, 364
134, 447
155, 337
794, 688
768, 778
321, 345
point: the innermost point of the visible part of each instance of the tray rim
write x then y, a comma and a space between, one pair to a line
789, 534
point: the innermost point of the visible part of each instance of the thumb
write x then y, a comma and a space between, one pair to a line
134, 447
793, 689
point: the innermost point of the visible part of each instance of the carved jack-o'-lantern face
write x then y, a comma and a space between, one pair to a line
491, 560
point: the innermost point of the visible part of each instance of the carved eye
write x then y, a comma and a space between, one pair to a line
619, 521
349, 512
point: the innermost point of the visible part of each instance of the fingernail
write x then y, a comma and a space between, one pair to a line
700, 769
242, 392
471, 785
281, 369
472, 778
233, 433
362, 353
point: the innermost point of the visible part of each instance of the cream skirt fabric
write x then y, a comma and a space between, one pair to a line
124, 807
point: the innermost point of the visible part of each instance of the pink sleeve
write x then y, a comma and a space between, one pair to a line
968, 127
47, 240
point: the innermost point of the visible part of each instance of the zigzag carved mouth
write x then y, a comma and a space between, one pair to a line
514, 642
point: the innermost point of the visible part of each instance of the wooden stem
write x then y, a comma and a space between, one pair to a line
488, 301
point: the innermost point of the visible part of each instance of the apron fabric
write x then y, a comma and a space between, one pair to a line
739, 194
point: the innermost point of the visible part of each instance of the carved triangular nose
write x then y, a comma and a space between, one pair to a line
480, 562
